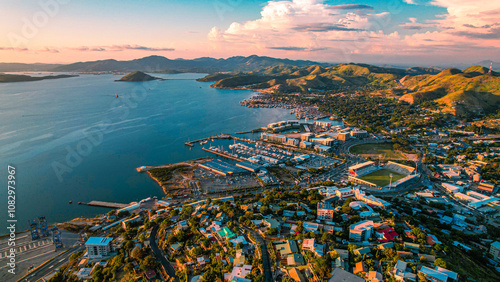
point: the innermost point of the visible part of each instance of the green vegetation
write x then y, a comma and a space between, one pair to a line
377, 149
164, 174
472, 89
137, 76
291, 78
4, 78
381, 177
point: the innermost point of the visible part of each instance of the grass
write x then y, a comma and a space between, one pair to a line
381, 177
377, 149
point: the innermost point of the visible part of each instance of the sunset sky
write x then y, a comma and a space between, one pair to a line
436, 32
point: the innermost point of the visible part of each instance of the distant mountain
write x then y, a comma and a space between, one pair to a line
486, 64
4, 78
472, 89
137, 76
199, 65
292, 78
15, 67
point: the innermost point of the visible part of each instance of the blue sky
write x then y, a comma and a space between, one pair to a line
396, 31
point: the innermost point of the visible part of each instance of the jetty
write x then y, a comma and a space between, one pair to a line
219, 136
107, 204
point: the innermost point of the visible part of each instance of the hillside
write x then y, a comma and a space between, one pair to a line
292, 78
137, 76
4, 78
470, 90
199, 65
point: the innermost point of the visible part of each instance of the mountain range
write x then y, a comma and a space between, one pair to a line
317, 77
163, 65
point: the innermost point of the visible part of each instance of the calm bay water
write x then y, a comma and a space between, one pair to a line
73, 140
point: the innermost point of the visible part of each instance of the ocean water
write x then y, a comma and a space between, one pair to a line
72, 140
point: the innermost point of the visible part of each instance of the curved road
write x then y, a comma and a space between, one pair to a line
159, 256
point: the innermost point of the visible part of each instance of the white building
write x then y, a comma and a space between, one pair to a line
98, 247
361, 231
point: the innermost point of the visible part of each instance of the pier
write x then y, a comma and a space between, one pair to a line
220, 136
222, 154
106, 204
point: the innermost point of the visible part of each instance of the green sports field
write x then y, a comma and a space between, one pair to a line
381, 177
375, 150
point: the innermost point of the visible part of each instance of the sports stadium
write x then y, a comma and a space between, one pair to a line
389, 176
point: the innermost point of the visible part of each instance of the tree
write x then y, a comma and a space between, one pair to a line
440, 262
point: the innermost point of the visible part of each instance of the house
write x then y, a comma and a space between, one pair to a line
295, 260
296, 275
387, 235
183, 225
226, 233
414, 248
360, 267
386, 246
287, 248
340, 275
362, 251
239, 271
374, 276
272, 223
400, 272
150, 275
311, 227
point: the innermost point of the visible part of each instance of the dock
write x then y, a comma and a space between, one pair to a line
107, 204
220, 136
222, 154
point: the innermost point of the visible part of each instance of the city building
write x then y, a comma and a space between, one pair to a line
361, 231
495, 250
98, 247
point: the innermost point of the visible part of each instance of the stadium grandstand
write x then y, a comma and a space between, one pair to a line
390, 176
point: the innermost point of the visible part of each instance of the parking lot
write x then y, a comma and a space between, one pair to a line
318, 161
224, 183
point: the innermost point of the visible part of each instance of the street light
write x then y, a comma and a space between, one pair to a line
390, 183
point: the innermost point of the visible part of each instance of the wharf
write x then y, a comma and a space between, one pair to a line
220, 136
222, 154
106, 204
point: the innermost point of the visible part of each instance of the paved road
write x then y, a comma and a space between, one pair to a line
159, 256
56, 263
266, 261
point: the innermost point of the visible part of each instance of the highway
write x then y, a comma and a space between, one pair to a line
54, 264
159, 256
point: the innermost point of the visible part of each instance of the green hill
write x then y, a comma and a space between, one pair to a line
470, 90
293, 78
137, 76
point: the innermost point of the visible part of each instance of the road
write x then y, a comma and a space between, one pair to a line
159, 256
56, 263
266, 261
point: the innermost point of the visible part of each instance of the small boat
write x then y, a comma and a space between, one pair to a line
116, 95
70, 202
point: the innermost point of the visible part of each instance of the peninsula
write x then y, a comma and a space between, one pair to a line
4, 78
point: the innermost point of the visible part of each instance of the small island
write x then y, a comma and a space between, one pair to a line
137, 76
5, 78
